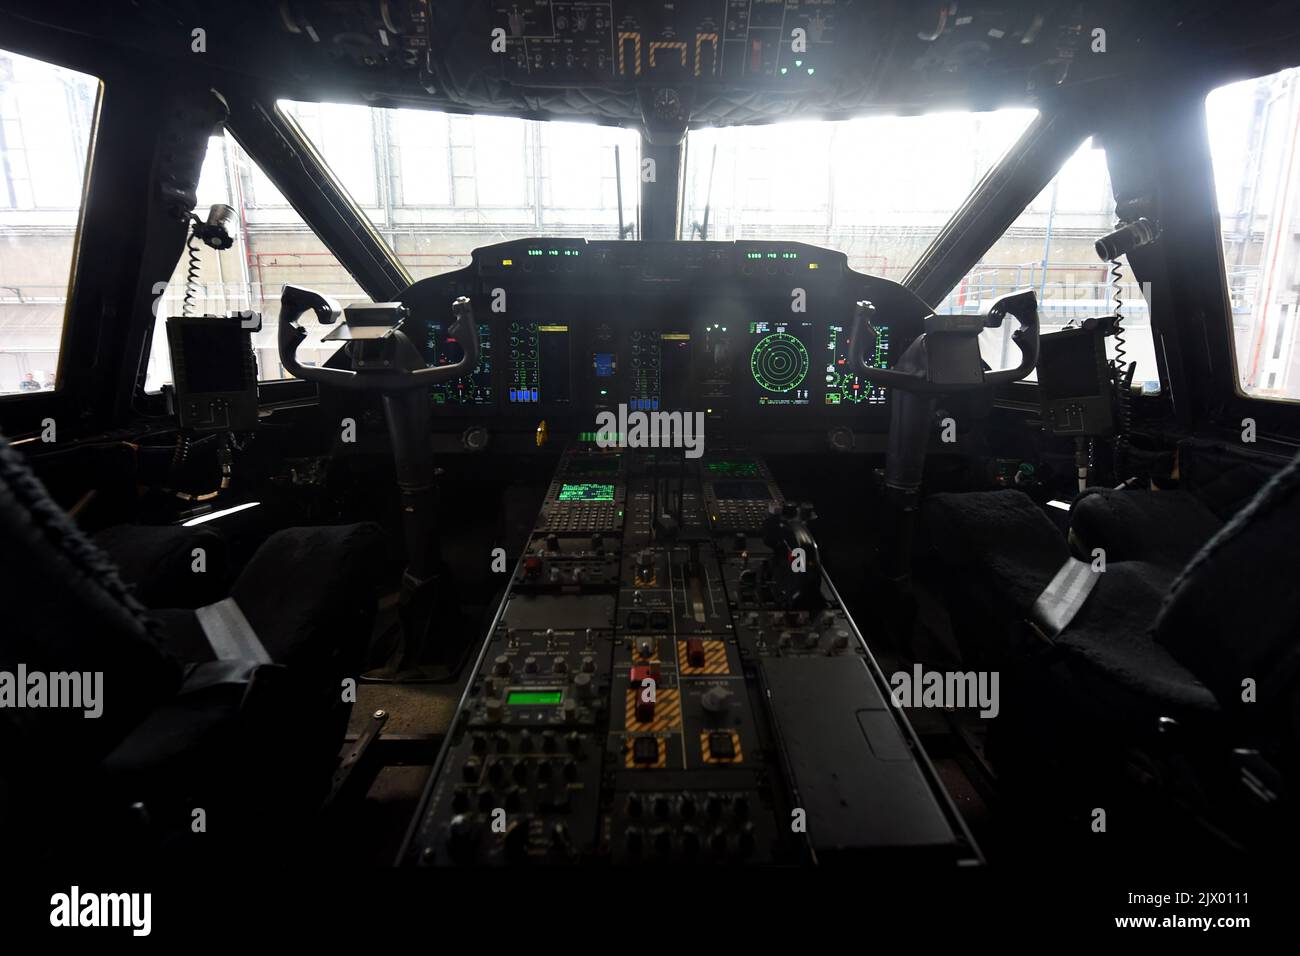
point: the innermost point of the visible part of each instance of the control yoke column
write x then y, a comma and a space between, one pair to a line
943, 359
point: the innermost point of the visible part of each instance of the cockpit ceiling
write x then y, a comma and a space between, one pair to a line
673, 65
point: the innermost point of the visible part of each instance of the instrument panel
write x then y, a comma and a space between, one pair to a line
752, 334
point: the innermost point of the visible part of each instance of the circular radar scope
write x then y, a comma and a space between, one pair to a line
779, 363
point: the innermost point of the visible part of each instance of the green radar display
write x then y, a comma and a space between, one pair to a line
779, 364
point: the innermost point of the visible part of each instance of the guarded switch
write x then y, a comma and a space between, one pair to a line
722, 746
695, 652
645, 709
645, 750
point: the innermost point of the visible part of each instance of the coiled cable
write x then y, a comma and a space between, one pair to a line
181, 453
191, 276
1122, 372
1120, 361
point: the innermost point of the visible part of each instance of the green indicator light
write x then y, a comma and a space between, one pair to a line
798, 62
534, 698
784, 71
811, 71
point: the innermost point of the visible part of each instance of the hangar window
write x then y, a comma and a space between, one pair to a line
1049, 248
878, 189
1254, 134
437, 186
47, 118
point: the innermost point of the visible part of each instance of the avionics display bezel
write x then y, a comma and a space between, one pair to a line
488, 350
851, 409
628, 332
508, 366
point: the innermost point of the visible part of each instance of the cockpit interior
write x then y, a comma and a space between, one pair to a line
633, 437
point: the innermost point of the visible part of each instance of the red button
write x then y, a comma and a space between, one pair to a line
645, 709
641, 671
695, 652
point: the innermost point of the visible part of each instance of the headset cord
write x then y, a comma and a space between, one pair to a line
191, 276
1122, 371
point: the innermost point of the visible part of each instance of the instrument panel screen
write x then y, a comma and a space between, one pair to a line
443, 349
661, 366
539, 359
847, 388
586, 491
779, 362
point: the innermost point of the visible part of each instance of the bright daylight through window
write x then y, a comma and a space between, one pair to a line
434, 186
1050, 249
47, 116
891, 184
437, 186
877, 189
1254, 130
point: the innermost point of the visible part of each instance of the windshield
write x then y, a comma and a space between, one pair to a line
437, 186
877, 189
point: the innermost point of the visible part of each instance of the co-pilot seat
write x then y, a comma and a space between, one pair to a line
1188, 642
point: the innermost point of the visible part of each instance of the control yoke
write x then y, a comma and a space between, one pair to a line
384, 358
944, 359
948, 358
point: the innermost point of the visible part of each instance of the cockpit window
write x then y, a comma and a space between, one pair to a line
1050, 249
878, 189
272, 246
47, 117
1254, 133
436, 186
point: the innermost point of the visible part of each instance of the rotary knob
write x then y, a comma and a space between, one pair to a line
475, 438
